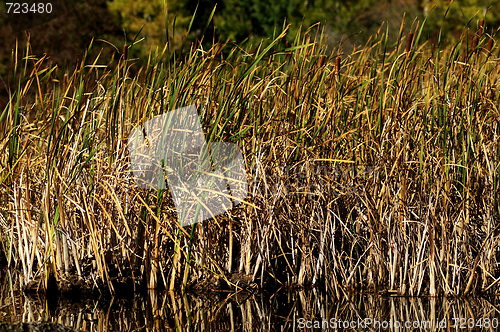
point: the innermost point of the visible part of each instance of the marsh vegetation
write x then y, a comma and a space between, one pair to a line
374, 171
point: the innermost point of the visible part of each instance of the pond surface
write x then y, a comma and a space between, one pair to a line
308, 310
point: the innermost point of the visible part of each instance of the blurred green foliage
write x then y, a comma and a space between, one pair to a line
460, 15
349, 23
147, 18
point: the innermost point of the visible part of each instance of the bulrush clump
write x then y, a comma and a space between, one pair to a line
360, 183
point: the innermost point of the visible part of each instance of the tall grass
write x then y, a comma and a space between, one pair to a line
377, 170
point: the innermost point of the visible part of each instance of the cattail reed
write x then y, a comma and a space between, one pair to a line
490, 45
337, 65
125, 48
481, 28
321, 60
475, 41
409, 40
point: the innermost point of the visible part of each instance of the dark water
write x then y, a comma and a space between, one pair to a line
281, 311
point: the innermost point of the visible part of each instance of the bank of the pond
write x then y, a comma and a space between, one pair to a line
90, 285
240, 311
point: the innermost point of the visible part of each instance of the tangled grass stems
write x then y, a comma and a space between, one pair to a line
377, 170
